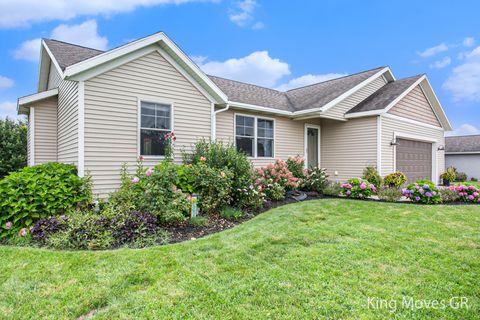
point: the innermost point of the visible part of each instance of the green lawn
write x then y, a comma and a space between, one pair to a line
317, 259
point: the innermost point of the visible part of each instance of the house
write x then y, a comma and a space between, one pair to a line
99, 110
463, 153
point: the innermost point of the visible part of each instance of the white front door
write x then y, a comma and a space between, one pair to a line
312, 146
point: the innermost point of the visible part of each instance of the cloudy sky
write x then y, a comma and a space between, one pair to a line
277, 44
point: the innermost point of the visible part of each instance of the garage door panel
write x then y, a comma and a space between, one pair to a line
414, 158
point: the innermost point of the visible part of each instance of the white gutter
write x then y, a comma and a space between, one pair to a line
214, 119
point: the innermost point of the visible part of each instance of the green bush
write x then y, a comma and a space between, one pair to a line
423, 191
389, 194
274, 191
230, 213
39, 192
13, 146
371, 175
396, 179
461, 177
315, 180
226, 157
449, 195
333, 189
214, 186
358, 188
296, 166
450, 174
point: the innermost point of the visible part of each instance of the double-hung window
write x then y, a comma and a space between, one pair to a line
155, 123
254, 136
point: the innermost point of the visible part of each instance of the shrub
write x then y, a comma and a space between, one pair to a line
396, 179
450, 174
226, 157
274, 191
230, 213
46, 227
473, 179
358, 188
333, 189
296, 166
371, 174
278, 173
137, 230
423, 191
461, 177
448, 195
39, 192
315, 180
13, 146
214, 186
389, 194
467, 193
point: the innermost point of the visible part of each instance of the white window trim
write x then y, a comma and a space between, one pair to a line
409, 136
139, 122
255, 154
305, 143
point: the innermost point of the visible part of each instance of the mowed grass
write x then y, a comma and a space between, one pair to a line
316, 259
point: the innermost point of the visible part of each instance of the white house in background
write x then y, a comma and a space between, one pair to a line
99, 110
463, 153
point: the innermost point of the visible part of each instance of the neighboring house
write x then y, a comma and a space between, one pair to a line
463, 153
99, 110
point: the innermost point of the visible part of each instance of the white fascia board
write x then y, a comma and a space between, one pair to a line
37, 97
463, 152
347, 93
364, 114
247, 106
117, 53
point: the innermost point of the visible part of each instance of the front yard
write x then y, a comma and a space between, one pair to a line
316, 259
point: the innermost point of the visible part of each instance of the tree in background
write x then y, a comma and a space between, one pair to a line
13, 146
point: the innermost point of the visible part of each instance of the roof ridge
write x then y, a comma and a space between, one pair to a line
334, 79
73, 44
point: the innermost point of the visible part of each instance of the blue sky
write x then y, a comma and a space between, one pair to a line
279, 44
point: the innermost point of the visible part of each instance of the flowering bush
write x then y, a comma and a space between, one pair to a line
273, 190
315, 180
170, 139
467, 193
358, 188
423, 191
296, 165
371, 174
396, 179
278, 173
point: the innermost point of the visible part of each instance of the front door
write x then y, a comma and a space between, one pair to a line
312, 137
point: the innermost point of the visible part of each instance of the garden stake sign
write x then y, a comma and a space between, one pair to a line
194, 200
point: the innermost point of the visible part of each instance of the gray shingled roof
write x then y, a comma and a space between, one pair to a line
68, 54
308, 97
463, 144
385, 95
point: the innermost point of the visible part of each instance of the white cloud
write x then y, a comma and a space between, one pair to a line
464, 81
439, 64
198, 59
85, 34
430, 52
258, 25
307, 80
464, 130
5, 82
15, 13
243, 14
257, 68
8, 109
468, 42
28, 50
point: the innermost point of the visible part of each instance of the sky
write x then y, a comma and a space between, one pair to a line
277, 44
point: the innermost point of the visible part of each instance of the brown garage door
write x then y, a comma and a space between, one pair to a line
414, 158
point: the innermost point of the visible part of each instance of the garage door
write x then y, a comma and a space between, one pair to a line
414, 158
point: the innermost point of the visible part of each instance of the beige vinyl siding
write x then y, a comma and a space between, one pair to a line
338, 111
415, 106
390, 126
348, 147
54, 78
67, 122
111, 115
45, 135
288, 135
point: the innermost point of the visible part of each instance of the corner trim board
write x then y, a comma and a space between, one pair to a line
81, 128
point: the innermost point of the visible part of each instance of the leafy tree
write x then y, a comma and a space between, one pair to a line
13, 146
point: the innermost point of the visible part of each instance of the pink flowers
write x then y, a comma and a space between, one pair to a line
278, 173
363, 186
203, 159
8, 225
149, 172
141, 158
222, 174
467, 193
170, 136
135, 180
22, 232
347, 186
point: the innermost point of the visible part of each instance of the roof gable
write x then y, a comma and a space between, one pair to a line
68, 54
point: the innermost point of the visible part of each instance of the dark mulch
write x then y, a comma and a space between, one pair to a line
186, 231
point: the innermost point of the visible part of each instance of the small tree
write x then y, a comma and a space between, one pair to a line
13, 146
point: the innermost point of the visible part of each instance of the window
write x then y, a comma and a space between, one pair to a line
155, 122
254, 136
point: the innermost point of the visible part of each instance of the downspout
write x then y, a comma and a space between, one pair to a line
214, 119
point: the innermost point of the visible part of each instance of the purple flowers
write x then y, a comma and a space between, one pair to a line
428, 194
363, 186
135, 180
348, 193
149, 172
418, 198
471, 197
426, 186
8, 225
421, 191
